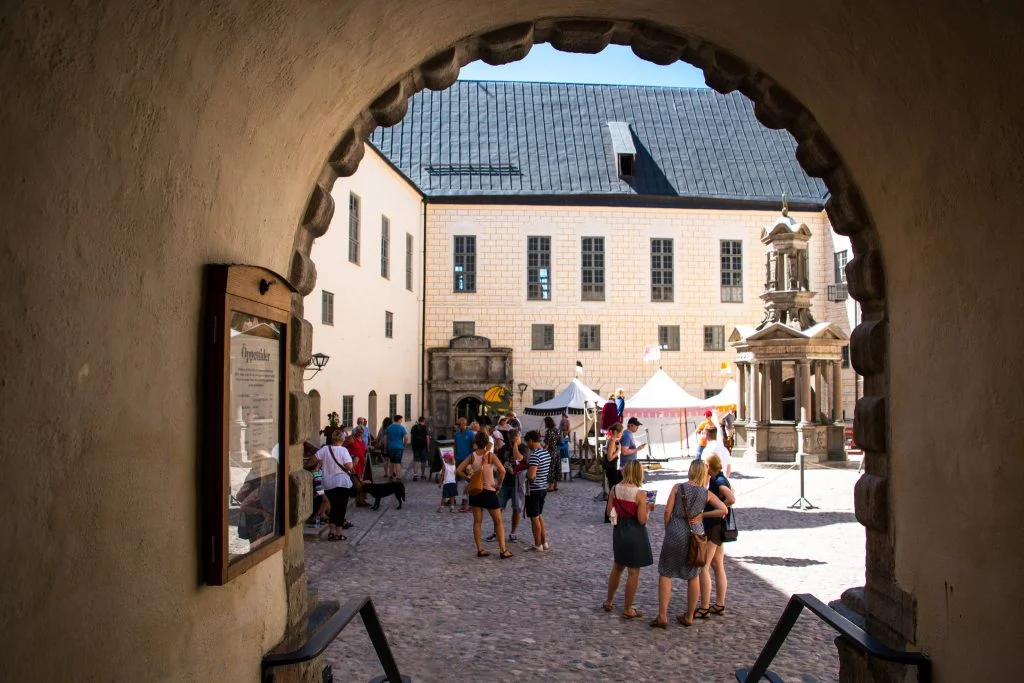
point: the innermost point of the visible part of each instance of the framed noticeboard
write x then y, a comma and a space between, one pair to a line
245, 348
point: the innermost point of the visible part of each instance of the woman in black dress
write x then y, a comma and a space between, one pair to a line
720, 488
631, 545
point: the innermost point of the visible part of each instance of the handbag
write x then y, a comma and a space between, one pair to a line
730, 532
476, 482
697, 548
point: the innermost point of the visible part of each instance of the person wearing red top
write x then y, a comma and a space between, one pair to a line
357, 449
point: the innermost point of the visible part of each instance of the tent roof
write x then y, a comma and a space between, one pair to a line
728, 396
661, 394
570, 400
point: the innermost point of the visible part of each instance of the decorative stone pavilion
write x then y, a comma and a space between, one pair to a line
789, 366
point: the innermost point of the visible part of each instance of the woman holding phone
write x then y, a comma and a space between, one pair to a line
631, 546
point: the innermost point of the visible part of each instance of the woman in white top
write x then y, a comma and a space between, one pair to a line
337, 468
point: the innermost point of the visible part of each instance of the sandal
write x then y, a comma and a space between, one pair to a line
718, 610
346, 525
607, 607
482, 553
702, 613
684, 621
632, 613
658, 624
336, 537
505, 554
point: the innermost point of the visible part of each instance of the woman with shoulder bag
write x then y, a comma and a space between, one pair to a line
337, 469
631, 546
682, 552
720, 488
479, 468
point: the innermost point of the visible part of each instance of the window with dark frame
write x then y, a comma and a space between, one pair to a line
714, 337
846, 357
662, 280
542, 337
463, 328
590, 338
708, 393
408, 408
347, 403
538, 268
732, 271
464, 259
392, 405
385, 247
389, 324
408, 261
592, 269
541, 395
327, 307
839, 265
353, 227
668, 337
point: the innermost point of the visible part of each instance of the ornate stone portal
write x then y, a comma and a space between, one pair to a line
460, 375
790, 367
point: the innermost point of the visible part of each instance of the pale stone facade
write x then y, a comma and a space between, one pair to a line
362, 358
629, 320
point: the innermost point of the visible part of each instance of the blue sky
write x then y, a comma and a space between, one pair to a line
615, 65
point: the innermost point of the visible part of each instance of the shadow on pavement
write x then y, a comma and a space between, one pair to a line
777, 561
770, 518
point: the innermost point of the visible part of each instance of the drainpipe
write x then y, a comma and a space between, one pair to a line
423, 312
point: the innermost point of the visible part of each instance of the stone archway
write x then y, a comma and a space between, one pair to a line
890, 611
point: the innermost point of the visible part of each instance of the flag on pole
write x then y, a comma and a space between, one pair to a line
652, 352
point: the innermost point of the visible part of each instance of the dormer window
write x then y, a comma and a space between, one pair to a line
623, 149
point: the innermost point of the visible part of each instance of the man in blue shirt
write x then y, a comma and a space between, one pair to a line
397, 438
463, 449
629, 446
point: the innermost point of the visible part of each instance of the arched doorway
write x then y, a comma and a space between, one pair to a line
468, 407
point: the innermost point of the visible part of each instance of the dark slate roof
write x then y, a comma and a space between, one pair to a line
486, 139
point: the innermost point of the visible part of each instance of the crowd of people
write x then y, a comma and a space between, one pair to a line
496, 465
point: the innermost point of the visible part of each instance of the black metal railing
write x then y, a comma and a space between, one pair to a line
855, 635
326, 629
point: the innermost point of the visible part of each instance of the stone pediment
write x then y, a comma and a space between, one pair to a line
784, 226
469, 342
777, 331
826, 330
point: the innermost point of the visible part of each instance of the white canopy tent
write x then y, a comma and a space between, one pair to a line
663, 403
728, 396
572, 400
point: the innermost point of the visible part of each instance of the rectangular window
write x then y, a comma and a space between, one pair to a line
668, 337
408, 408
846, 357
538, 268
346, 410
839, 266
408, 261
389, 324
714, 338
708, 393
465, 263
592, 269
327, 308
385, 247
353, 228
463, 328
542, 337
392, 406
590, 337
541, 395
732, 271
662, 288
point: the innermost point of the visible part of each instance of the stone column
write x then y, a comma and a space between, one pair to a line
819, 383
755, 393
798, 394
766, 391
741, 407
805, 391
837, 391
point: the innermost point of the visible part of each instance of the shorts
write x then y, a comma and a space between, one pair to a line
511, 494
450, 490
395, 455
535, 503
419, 453
715, 532
488, 500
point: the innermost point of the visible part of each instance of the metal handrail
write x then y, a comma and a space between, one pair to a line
318, 641
860, 639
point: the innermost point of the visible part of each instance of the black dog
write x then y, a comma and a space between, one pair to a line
388, 488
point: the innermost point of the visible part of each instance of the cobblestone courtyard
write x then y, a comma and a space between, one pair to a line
450, 616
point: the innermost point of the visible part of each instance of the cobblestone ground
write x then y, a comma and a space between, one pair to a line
450, 616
